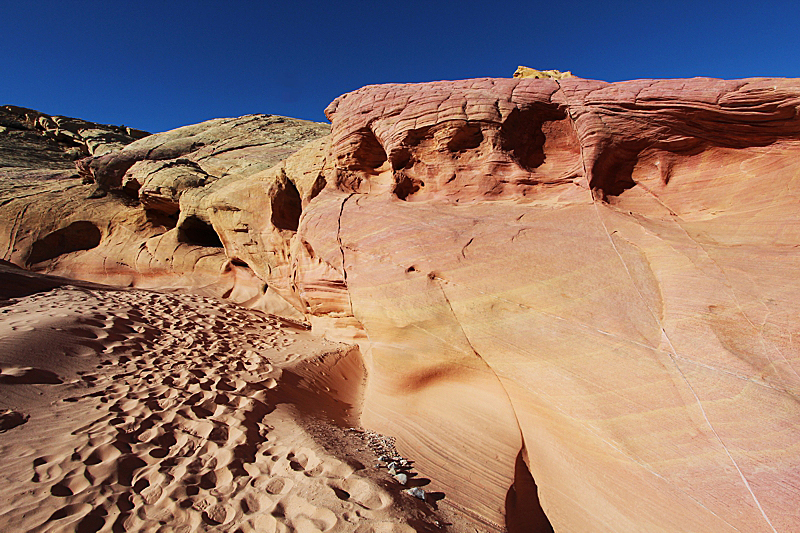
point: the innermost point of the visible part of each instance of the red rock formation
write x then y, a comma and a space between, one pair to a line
568, 293
599, 277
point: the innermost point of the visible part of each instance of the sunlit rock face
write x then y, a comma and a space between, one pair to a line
198, 208
600, 278
576, 300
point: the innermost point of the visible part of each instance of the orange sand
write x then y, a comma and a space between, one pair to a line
130, 410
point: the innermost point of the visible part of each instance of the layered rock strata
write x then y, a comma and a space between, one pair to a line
158, 213
575, 299
30, 139
596, 278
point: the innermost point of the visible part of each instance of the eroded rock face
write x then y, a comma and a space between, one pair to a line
575, 299
598, 277
31, 139
225, 146
44, 211
165, 212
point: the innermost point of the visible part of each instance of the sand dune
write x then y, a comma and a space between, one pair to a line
129, 410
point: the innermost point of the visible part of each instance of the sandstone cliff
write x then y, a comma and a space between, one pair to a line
570, 296
128, 216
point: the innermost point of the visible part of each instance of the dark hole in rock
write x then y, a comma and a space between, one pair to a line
82, 235
401, 156
522, 135
286, 207
239, 262
196, 231
369, 154
319, 184
524, 513
157, 218
406, 186
612, 172
467, 137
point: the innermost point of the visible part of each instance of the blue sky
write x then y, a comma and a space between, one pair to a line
160, 65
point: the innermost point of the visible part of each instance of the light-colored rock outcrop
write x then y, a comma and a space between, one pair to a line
160, 213
226, 146
55, 141
527, 72
576, 300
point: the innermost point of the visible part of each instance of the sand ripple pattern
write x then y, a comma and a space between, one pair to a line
177, 426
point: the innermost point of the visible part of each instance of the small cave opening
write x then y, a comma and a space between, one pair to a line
356, 167
406, 186
524, 513
612, 172
401, 158
159, 218
466, 137
81, 235
286, 207
522, 136
195, 231
369, 153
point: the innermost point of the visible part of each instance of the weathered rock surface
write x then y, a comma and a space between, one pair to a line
160, 213
226, 146
32, 139
38, 151
576, 300
598, 277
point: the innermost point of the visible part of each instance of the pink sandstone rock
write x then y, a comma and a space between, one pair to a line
575, 300
598, 277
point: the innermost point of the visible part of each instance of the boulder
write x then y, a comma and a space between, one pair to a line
160, 184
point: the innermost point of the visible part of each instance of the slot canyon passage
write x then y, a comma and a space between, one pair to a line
572, 303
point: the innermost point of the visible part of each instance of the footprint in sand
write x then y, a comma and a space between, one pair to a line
178, 434
302, 515
254, 502
28, 376
305, 461
362, 492
10, 419
47, 468
275, 486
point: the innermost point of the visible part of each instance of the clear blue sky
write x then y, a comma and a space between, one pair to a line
159, 65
